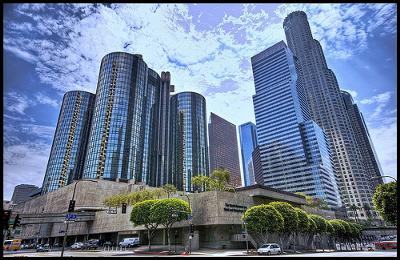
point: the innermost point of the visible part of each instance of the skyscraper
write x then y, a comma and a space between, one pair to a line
248, 142
188, 147
67, 154
120, 142
162, 124
364, 141
293, 149
328, 111
22, 193
224, 148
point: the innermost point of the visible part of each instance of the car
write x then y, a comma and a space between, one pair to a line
43, 248
269, 249
92, 244
129, 242
56, 245
78, 245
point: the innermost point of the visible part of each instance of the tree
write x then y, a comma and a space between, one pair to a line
133, 197
142, 215
218, 181
290, 219
347, 231
338, 231
263, 220
330, 230
320, 224
302, 225
309, 199
169, 189
385, 202
312, 229
169, 211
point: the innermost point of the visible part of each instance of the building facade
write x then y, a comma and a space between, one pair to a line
188, 156
293, 149
67, 154
364, 141
248, 142
23, 193
329, 112
120, 141
224, 148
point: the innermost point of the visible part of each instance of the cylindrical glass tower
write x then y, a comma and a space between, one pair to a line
70, 140
117, 136
188, 139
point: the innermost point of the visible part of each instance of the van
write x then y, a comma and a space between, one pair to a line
129, 242
14, 244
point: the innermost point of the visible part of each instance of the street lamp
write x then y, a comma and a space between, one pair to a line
247, 238
190, 209
66, 229
377, 177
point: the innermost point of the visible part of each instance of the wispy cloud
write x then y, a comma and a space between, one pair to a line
43, 99
18, 103
380, 100
353, 93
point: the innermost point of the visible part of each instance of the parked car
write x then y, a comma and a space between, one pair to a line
78, 245
129, 242
43, 248
56, 245
92, 244
269, 249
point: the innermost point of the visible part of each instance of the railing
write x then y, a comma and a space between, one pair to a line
244, 237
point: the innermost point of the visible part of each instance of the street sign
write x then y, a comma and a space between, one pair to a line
112, 211
70, 216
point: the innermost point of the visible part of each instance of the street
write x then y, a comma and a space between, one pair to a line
201, 252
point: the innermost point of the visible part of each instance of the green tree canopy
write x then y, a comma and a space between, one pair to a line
289, 215
312, 226
320, 223
142, 214
338, 229
133, 197
302, 224
219, 180
263, 219
169, 189
385, 201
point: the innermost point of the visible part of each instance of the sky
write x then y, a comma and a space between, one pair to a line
49, 49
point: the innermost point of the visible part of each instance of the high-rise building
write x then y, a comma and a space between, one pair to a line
22, 193
121, 143
162, 124
188, 147
67, 153
329, 112
223, 148
293, 149
364, 141
248, 142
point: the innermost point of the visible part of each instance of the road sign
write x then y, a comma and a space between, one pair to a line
112, 211
70, 216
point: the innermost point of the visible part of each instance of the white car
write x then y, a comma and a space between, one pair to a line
77, 245
269, 249
129, 242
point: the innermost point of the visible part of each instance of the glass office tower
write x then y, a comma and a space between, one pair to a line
67, 154
329, 112
120, 140
364, 141
188, 139
293, 150
224, 148
248, 142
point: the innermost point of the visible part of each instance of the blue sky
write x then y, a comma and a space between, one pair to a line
53, 48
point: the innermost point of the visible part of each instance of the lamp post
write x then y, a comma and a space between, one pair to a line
247, 238
66, 229
190, 209
377, 177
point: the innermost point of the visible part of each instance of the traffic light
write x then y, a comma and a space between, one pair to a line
191, 228
6, 218
17, 221
71, 206
123, 208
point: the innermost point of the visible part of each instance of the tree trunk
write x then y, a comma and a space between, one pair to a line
322, 243
148, 235
294, 242
169, 243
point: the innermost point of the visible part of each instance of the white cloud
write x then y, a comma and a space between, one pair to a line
381, 100
43, 99
17, 103
24, 163
353, 93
